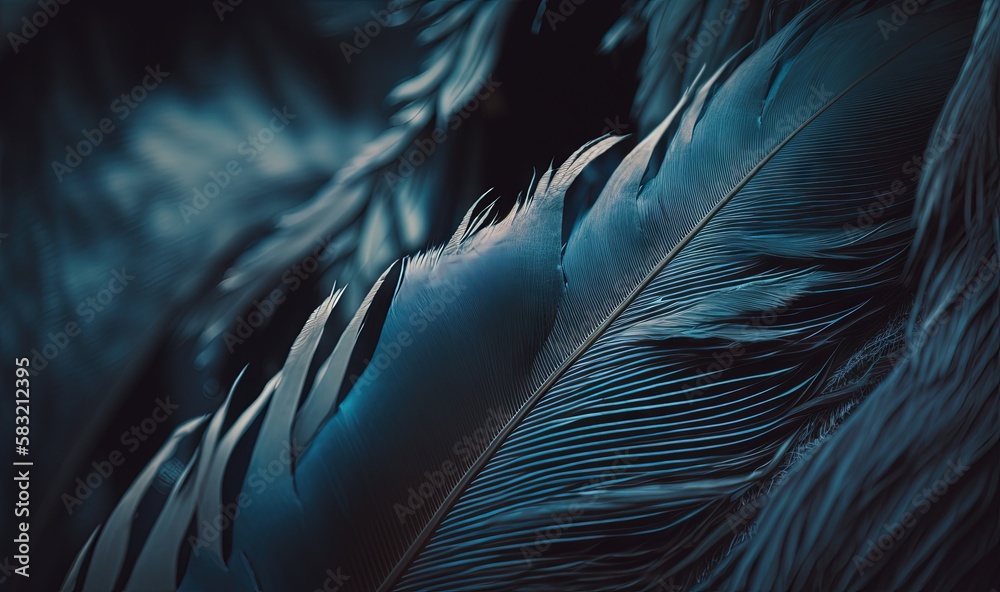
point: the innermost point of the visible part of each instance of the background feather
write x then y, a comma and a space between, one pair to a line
583, 398
705, 429
375, 213
119, 211
682, 36
938, 410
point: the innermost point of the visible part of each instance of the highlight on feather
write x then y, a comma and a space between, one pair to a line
198, 492
509, 411
370, 210
947, 376
287, 428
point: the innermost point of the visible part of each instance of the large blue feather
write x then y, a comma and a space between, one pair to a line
695, 448
718, 309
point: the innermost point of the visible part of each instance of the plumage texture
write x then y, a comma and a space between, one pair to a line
592, 416
946, 382
196, 267
683, 36
376, 207
118, 213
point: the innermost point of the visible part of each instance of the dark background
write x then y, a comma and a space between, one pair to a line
557, 92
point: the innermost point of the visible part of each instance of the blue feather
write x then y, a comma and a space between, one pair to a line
590, 416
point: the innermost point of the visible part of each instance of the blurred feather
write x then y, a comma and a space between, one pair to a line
682, 36
388, 214
118, 215
706, 328
123, 209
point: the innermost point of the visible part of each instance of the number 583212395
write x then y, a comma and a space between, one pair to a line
22, 395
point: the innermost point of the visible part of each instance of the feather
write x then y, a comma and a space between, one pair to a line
386, 213
126, 212
584, 416
629, 393
128, 208
683, 36
946, 382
